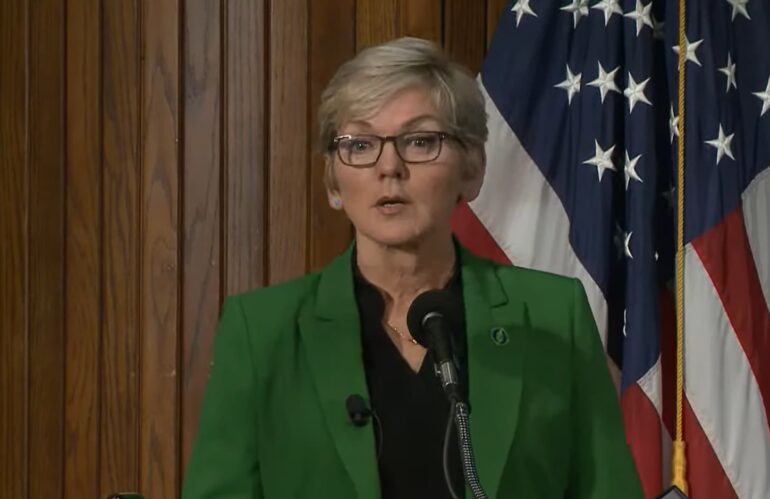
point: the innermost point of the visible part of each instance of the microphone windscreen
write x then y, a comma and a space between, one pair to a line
438, 301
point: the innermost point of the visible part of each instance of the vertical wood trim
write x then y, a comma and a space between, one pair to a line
13, 257
287, 198
422, 19
465, 31
245, 144
332, 42
494, 12
46, 244
158, 451
83, 294
119, 434
376, 22
201, 183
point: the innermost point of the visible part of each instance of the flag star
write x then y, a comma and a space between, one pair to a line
627, 245
641, 15
624, 323
722, 145
571, 84
635, 92
765, 98
522, 8
729, 71
739, 7
690, 48
605, 81
578, 8
657, 29
673, 124
630, 169
602, 160
609, 7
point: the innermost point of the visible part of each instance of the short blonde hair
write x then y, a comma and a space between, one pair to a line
363, 84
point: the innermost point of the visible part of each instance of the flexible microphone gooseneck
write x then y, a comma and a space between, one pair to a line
432, 318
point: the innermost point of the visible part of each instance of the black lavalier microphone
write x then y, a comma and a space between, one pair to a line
358, 412
432, 318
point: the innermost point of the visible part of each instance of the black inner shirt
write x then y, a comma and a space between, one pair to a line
411, 407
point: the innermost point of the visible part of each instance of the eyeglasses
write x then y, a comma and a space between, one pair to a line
361, 151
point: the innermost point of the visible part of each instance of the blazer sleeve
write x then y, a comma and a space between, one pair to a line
224, 462
601, 463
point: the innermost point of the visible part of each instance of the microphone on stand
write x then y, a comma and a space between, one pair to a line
432, 318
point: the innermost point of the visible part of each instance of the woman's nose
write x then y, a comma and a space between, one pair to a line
390, 163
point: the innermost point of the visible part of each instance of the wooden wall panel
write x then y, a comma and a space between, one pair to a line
246, 129
332, 42
288, 140
421, 18
46, 246
13, 250
201, 200
495, 10
376, 21
119, 435
160, 162
465, 31
156, 157
83, 250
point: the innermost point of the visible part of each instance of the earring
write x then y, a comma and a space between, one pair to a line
336, 203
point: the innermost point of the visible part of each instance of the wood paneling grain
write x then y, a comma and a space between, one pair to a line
422, 19
158, 437
46, 247
495, 10
201, 186
13, 250
120, 430
246, 129
83, 291
376, 22
332, 42
464, 32
288, 165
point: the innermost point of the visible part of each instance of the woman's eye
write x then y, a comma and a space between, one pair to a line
359, 145
421, 142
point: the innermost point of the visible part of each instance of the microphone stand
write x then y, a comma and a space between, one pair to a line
462, 424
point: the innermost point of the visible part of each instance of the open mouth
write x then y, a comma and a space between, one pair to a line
390, 201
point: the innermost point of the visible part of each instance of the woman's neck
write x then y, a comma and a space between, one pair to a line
403, 273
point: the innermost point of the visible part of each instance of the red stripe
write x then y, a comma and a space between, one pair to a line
705, 476
726, 256
642, 424
668, 359
474, 236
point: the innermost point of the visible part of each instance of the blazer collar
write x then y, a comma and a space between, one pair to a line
331, 331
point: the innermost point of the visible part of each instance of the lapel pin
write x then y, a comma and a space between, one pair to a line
499, 336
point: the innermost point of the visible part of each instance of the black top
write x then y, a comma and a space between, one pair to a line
411, 408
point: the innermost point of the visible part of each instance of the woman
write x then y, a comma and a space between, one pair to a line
404, 132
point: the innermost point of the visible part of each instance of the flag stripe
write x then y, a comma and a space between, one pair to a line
726, 256
472, 234
523, 214
640, 419
706, 477
756, 214
721, 387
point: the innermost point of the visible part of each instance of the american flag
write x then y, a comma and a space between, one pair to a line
580, 181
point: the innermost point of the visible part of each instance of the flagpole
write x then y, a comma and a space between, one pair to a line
679, 461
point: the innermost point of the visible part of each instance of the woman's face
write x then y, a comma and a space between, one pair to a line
400, 204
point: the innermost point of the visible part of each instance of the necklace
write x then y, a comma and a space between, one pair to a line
402, 335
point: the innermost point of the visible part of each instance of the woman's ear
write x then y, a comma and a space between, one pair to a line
473, 177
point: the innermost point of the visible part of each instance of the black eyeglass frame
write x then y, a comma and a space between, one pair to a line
442, 136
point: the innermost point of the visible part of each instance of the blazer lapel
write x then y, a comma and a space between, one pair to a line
331, 333
494, 366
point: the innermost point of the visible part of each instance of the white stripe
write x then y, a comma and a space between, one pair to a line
525, 216
756, 217
721, 387
650, 385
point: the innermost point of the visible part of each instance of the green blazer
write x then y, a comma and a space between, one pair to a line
545, 419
